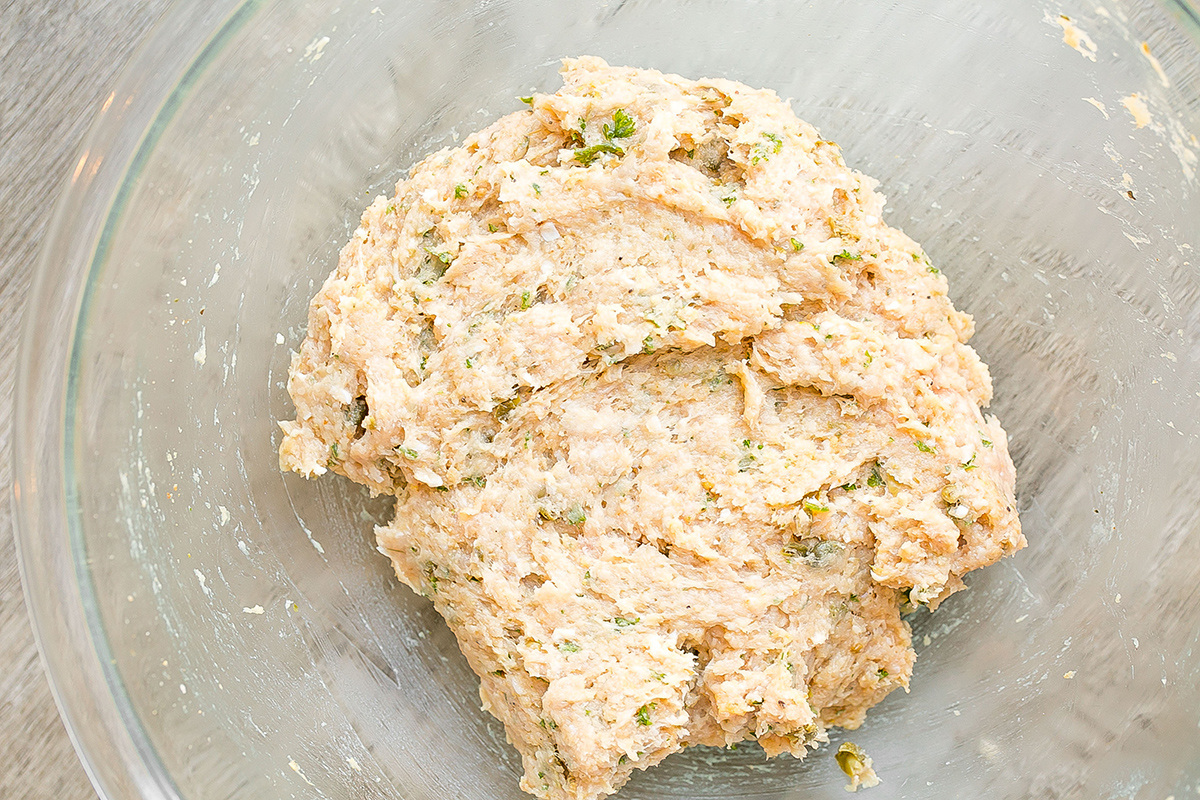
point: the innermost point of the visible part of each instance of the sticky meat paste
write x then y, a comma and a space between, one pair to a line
675, 424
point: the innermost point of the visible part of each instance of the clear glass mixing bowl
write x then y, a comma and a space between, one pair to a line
215, 629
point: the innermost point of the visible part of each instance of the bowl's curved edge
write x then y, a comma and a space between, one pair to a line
117, 756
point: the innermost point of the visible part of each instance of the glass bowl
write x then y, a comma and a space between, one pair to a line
215, 629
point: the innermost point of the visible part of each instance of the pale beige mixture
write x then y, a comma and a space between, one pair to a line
676, 425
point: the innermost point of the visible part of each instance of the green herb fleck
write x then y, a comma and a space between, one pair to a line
548, 724
440, 255
661, 677
526, 100
537, 190
970, 464
622, 127
526, 299
846, 255
796, 244
409, 453
625, 622
442, 488
813, 507
648, 344
575, 515
478, 480
933, 269
763, 150
875, 479
690, 153
643, 715
460, 191
883, 673
569, 647
924, 448
491, 228
870, 358
849, 487
587, 155
470, 362
986, 443
333, 455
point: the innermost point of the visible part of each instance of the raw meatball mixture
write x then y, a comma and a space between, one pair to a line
677, 427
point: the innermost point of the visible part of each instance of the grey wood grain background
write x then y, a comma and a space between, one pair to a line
58, 61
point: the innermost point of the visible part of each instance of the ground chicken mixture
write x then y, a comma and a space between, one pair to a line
677, 427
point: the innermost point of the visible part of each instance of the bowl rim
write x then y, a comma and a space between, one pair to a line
101, 722
117, 755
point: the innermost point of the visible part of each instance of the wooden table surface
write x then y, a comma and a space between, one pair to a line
57, 63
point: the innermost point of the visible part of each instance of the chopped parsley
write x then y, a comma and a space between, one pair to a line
814, 507
333, 454
933, 269
796, 245
763, 150
526, 299
587, 155
986, 443
622, 127
409, 453
846, 255
875, 479
526, 100
643, 715
849, 487
625, 622
924, 448
883, 673
970, 464
575, 515
440, 255
460, 191
870, 358
537, 190
569, 647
